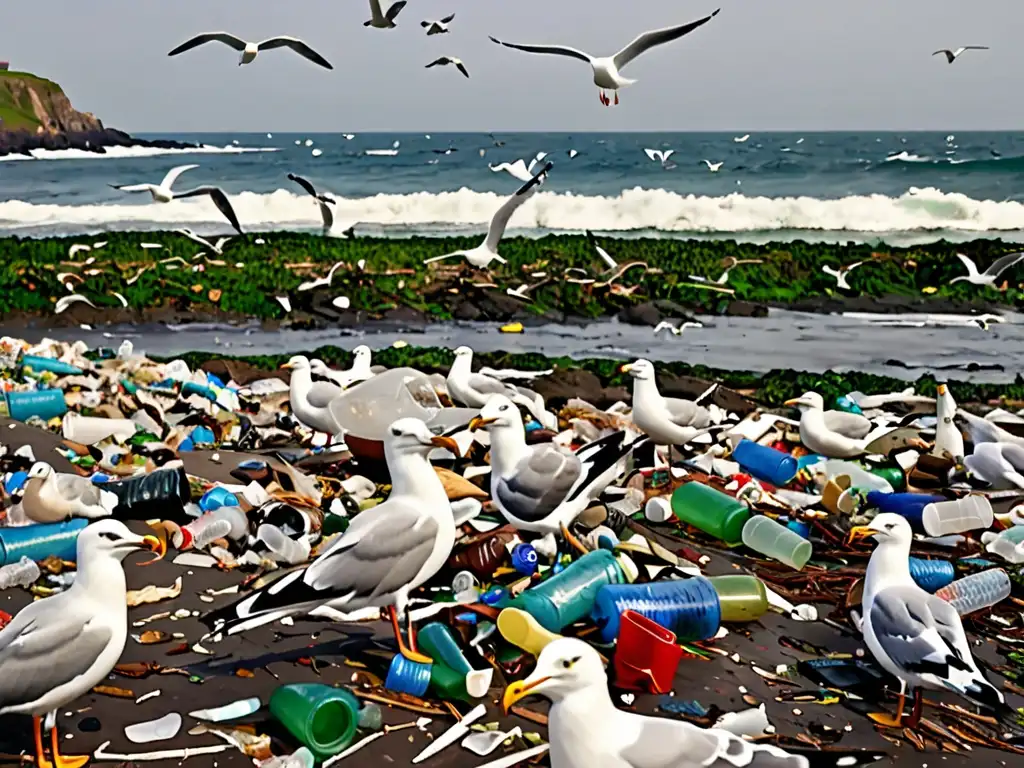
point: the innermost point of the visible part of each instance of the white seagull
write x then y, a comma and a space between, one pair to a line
438, 27
322, 282
519, 169
249, 50
606, 68
714, 167
487, 251
217, 248
676, 330
162, 193
323, 201
834, 434
952, 56
605, 257
380, 20
667, 421
841, 273
722, 279
310, 399
988, 277
473, 390
360, 370
660, 155
445, 60
741, 139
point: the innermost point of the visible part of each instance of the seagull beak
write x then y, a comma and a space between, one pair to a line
859, 532
941, 389
519, 690
155, 545
478, 422
442, 441
794, 402
286, 366
626, 368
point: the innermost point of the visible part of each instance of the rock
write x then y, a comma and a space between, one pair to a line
558, 387
467, 310
241, 372
641, 314
738, 308
496, 306
405, 315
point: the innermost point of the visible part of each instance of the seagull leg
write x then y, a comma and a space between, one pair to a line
410, 654
892, 721
37, 732
915, 712
59, 761
616, 98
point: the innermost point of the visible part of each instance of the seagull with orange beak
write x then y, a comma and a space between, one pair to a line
57, 649
387, 552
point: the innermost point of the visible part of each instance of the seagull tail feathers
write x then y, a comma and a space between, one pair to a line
287, 595
838, 758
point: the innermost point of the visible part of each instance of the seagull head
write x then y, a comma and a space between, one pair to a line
808, 401
498, 411
411, 435
316, 365
564, 666
361, 354
884, 528
463, 352
639, 369
41, 470
297, 363
113, 539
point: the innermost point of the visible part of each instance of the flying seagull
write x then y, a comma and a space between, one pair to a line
449, 60
606, 68
381, 20
487, 251
714, 167
659, 155
952, 56
437, 27
217, 248
988, 277
216, 194
519, 169
323, 201
605, 257
249, 50
841, 273
161, 192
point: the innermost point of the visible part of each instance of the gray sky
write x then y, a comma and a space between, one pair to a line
760, 65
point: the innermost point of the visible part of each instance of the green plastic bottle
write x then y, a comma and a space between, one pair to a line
740, 597
321, 717
714, 512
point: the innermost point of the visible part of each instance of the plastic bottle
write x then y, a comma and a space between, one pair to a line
970, 513
1006, 543
201, 532
764, 535
906, 505
687, 607
931, 575
859, 476
438, 642
714, 512
238, 519
20, 574
740, 597
283, 548
977, 591
322, 718
765, 463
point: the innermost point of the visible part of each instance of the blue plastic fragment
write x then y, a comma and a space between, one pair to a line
693, 708
16, 481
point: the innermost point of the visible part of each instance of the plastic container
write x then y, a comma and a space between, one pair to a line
49, 364
714, 512
437, 641
977, 591
406, 676
237, 518
906, 505
217, 497
163, 494
970, 513
201, 533
764, 535
740, 597
522, 630
38, 542
282, 547
191, 388
658, 509
448, 684
687, 607
892, 475
20, 574
765, 463
1006, 543
89, 430
859, 476
45, 403
646, 654
569, 596
931, 575
322, 718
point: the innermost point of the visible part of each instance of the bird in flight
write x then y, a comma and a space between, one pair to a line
384, 20
952, 56
249, 50
439, 27
988, 277
444, 60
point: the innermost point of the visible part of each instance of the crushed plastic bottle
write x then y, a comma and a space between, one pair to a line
1006, 544
283, 548
19, 574
202, 532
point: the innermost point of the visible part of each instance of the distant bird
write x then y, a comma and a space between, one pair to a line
380, 20
217, 247
606, 68
713, 167
730, 262
841, 273
496, 142
677, 330
487, 251
519, 169
161, 192
437, 27
612, 264
952, 56
659, 155
445, 60
741, 139
988, 277
249, 50
323, 201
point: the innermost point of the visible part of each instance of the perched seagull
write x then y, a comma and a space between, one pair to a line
487, 251
309, 399
387, 552
161, 193
217, 247
659, 155
380, 20
519, 169
949, 440
57, 649
444, 60
249, 50
360, 370
988, 277
606, 68
52, 498
714, 167
474, 390
952, 56
323, 201
544, 487
437, 27
322, 282
841, 273
913, 635
833, 434
667, 421
586, 729
676, 330
612, 264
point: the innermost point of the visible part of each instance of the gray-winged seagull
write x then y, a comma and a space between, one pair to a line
249, 50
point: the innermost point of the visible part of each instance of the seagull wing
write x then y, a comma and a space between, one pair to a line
134, 187
686, 413
174, 173
656, 37
443, 60
974, 48
1003, 263
851, 267
322, 393
303, 183
560, 50
605, 257
326, 214
653, 154
462, 68
298, 46
500, 219
851, 425
448, 19
210, 37
539, 484
219, 199
394, 10
667, 154
971, 268
537, 158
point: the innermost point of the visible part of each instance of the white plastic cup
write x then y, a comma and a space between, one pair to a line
970, 513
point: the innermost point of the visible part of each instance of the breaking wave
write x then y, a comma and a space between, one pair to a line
119, 153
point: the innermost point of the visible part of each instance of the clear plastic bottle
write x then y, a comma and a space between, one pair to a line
1006, 544
859, 476
201, 532
977, 591
283, 548
19, 574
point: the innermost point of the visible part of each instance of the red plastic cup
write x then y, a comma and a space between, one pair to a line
646, 654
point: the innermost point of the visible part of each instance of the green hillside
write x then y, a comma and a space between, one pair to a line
16, 113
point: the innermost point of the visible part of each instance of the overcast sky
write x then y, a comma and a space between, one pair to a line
760, 65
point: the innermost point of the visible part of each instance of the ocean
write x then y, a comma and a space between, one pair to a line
899, 188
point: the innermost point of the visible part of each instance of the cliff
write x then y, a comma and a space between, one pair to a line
35, 113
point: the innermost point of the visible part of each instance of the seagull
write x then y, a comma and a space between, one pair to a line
380, 20
544, 487
833, 434
496, 142
988, 277
444, 60
322, 282
323, 201
841, 273
309, 399
387, 552
676, 330
913, 635
487, 251
57, 649
437, 27
360, 370
952, 56
519, 169
216, 194
741, 139
217, 247
585, 729
161, 193
998, 464
714, 167
666, 420
723, 278
249, 50
606, 68
475, 389
52, 498
661, 156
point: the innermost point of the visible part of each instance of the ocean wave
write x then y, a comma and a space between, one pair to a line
116, 153
917, 210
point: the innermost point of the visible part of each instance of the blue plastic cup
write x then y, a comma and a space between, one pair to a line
765, 463
217, 497
907, 505
406, 676
50, 364
38, 542
45, 403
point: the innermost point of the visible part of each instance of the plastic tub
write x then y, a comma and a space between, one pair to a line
764, 535
714, 512
322, 718
765, 463
687, 607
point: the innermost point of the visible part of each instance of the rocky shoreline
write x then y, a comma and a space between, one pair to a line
98, 141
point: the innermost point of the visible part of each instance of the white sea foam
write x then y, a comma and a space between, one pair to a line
115, 153
918, 210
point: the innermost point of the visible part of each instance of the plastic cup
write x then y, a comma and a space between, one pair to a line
765, 463
324, 719
907, 505
764, 535
45, 403
523, 631
406, 676
714, 512
740, 597
970, 513
646, 654
436, 640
